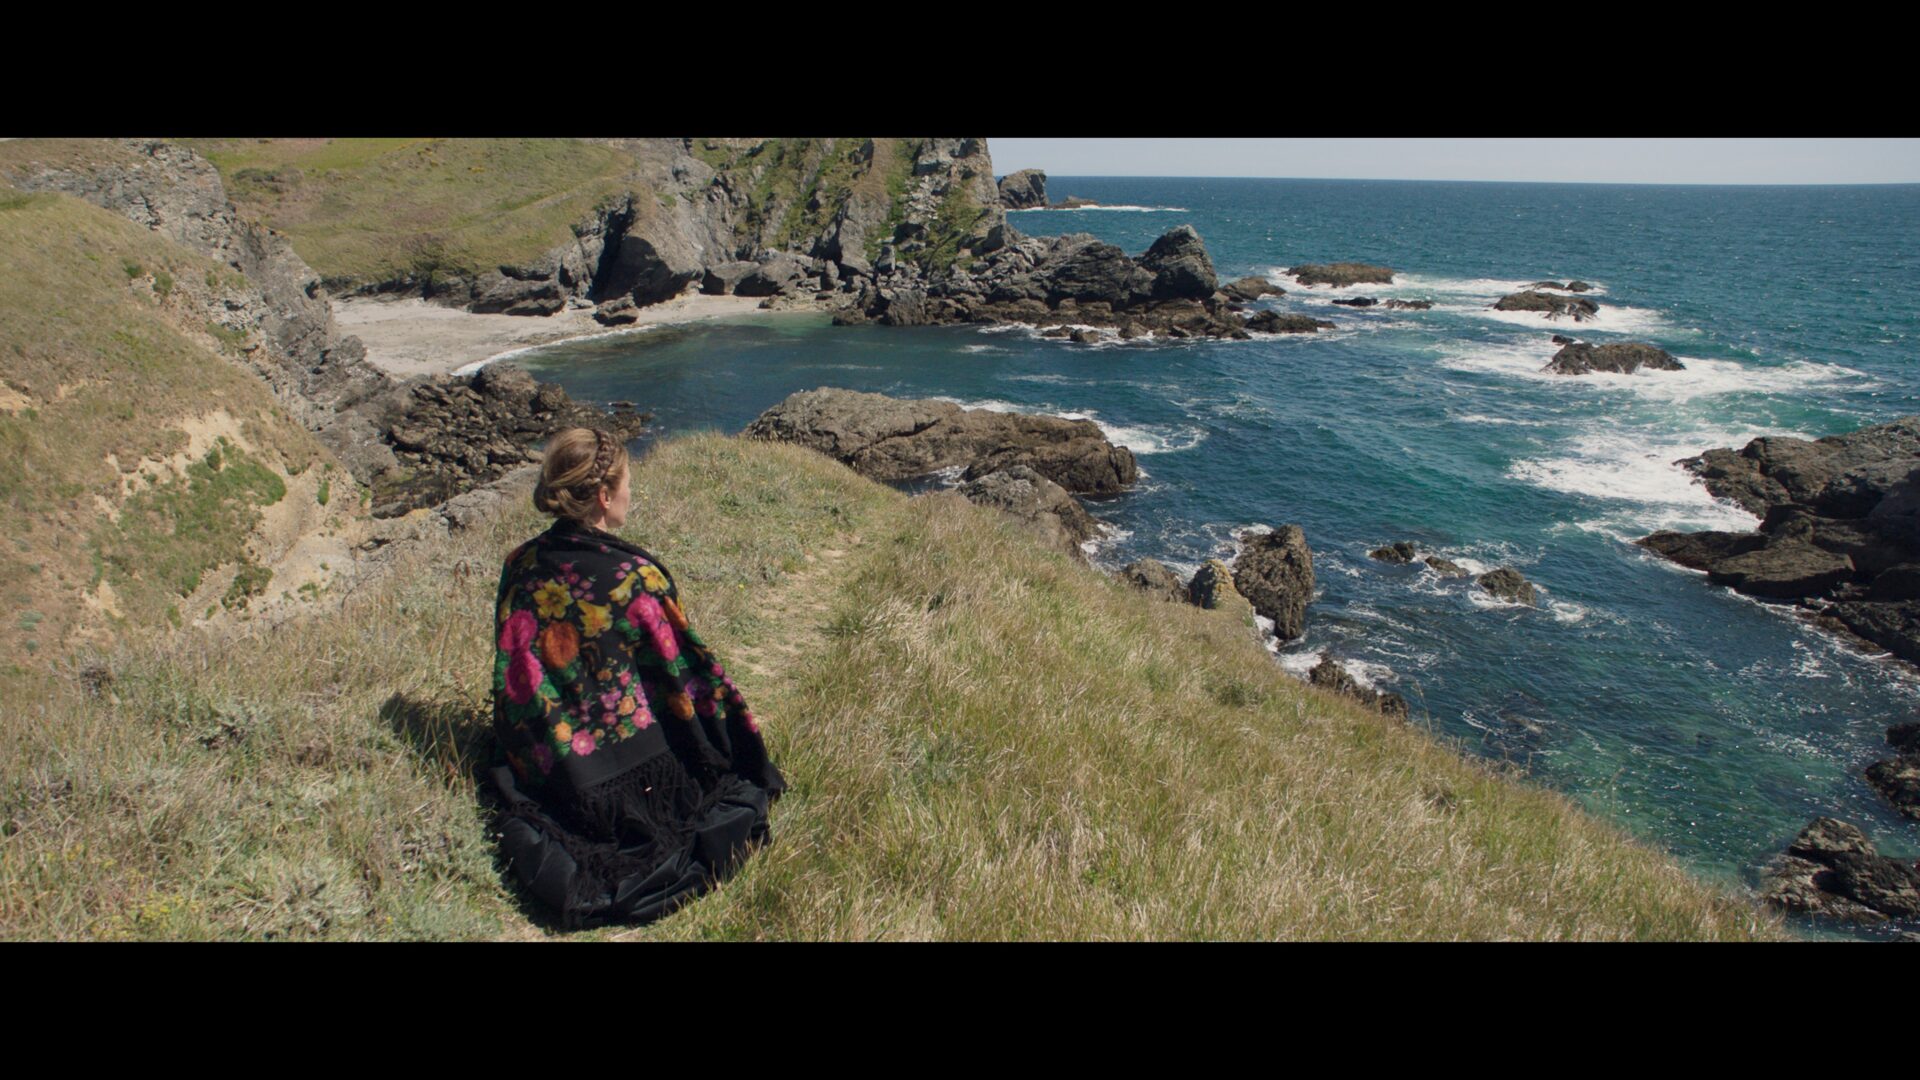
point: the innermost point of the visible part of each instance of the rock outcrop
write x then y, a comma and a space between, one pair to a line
1020, 491
1898, 777
1549, 304
895, 439
1445, 567
1407, 305
1571, 286
1170, 291
1023, 190
1275, 571
1213, 588
1839, 535
1328, 674
1831, 869
1577, 358
1248, 289
455, 433
1507, 584
1399, 552
1154, 578
1342, 274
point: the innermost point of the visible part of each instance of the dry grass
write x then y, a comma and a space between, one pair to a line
984, 741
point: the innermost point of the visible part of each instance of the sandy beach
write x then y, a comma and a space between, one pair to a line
414, 337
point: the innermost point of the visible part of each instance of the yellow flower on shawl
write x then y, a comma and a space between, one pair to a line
623, 592
594, 618
552, 599
506, 606
656, 583
563, 731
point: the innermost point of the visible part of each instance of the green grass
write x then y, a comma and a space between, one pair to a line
362, 211
983, 738
113, 380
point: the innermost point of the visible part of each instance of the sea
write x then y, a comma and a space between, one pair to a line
1707, 724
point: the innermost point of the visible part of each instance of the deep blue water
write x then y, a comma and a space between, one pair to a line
1708, 724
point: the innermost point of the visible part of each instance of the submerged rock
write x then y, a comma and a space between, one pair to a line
1329, 675
1273, 322
1399, 552
1408, 305
1342, 274
1275, 571
1507, 584
1446, 567
1251, 288
1356, 301
1625, 359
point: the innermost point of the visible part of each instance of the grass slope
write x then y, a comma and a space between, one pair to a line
369, 210
108, 369
985, 740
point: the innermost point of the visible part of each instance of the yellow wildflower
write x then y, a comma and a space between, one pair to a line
594, 618
552, 599
655, 582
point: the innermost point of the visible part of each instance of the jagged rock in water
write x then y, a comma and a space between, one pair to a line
1180, 266
1023, 190
1399, 552
1446, 567
1153, 577
1898, 779
1832, 869
1549, 304
1905, 737
1562, 339
1342, 274
1273, 322
1407, 305
1251, 288
1025, 494
1356, 301
894, 439
1329, 675
1275, 571
1507, 584
1625, 359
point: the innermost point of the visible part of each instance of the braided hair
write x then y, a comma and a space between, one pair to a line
580, 462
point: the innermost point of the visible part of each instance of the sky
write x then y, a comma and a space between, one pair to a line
1599, 161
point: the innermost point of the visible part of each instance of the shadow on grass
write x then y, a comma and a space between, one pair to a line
457, 741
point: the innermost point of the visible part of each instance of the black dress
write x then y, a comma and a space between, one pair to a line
630, 772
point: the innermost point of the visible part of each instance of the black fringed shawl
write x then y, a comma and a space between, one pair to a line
632, 773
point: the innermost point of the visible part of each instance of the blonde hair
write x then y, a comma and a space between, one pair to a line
580, 462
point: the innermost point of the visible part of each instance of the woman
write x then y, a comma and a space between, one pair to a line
633, 774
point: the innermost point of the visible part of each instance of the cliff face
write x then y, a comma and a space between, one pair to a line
275, 309
531, 226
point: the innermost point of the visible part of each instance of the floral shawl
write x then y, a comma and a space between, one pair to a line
626, 747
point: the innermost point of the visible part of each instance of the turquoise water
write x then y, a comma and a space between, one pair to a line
1710, 725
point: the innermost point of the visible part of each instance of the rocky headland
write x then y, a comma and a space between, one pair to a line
1839, 534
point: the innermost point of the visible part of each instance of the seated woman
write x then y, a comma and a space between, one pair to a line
632, 774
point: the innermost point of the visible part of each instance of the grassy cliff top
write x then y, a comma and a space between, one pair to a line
369, 210
984, 740
135, 459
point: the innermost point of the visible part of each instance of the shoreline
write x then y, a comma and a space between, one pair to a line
412, 337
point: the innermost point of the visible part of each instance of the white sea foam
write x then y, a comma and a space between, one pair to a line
468, 369
1612, 319
1107, 536
1699, 377
1632, 467
1476, 418
1140, 440
981, 348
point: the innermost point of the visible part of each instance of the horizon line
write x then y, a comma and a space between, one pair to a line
1455, 180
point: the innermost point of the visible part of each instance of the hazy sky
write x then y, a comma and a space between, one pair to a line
1620, 161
